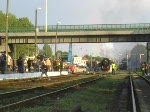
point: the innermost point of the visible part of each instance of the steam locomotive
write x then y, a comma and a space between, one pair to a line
105, 64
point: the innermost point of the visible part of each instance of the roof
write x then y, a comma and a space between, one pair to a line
83, 58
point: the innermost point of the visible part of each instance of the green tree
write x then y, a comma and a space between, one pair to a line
12, 20
62, 55
15, 24
24, 22
2, 20
46, 51
98, 58
25, 49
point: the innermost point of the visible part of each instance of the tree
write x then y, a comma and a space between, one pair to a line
14, 22
25, 49
46, 51
24, 22
17, 24
2, 20
62, 55
98, 58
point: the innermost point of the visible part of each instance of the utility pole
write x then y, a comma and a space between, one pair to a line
36, 30
6, 40
46, 17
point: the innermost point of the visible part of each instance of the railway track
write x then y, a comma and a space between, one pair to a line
54, 92
25, 100
140, 93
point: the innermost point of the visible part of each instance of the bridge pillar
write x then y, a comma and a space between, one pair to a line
0, 40
148, 56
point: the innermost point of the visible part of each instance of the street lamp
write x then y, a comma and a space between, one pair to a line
91, 62
56, 39
128, 61
119, 60
46, 17
36, 29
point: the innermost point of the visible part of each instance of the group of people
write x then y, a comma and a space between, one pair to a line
144, 68
24, 65
31, 65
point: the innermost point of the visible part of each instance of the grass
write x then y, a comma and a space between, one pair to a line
98, 97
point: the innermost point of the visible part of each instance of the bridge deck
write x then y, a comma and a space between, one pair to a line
96, 33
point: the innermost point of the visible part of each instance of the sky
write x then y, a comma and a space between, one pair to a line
74, 12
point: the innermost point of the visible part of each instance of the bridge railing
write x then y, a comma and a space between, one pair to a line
90, 27
103, 27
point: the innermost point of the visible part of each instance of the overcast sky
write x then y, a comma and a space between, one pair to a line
83, 12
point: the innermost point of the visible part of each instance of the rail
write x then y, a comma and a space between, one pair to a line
132, 96
88, 27
28, 101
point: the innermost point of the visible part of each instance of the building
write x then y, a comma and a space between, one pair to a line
81, 61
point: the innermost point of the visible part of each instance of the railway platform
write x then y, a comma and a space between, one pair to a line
14, 75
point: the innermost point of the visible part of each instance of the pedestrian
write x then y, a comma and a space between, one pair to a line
57, 65
73, 69
44, 69
3, 63
25, 65
143, 69
20, 64
9, 63
113, 68
146, 68
48, 64
38, 65
29, 64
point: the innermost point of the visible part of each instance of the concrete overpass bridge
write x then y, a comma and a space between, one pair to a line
94, 33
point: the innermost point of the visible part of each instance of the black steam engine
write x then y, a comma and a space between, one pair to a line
105, 64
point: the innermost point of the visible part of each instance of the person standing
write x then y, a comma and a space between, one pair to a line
29, 63
25, 65
3, 63
44, 69
146, 68
9, 63
73, 69
143, 69
113, 68
48, 64
20, 64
